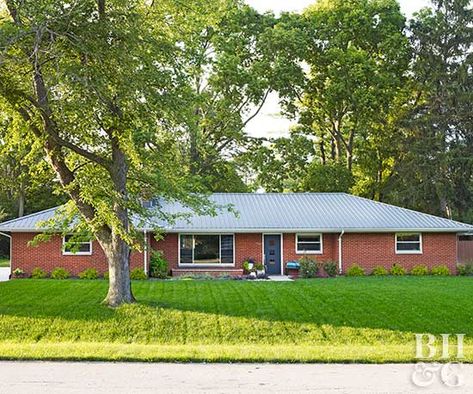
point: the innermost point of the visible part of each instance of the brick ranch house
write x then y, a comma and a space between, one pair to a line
272, 228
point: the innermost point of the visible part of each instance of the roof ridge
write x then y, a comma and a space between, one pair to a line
29, 215
410, 210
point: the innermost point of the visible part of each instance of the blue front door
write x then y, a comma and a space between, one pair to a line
272, 254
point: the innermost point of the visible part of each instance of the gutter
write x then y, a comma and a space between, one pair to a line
340, 260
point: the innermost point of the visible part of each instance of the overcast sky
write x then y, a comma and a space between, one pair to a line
269, 122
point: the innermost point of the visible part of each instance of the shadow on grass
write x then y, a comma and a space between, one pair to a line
434, 305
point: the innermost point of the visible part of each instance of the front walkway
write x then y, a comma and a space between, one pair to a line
4, 273
280, 278
91, 377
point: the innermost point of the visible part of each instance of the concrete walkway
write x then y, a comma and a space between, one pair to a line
4, 273
85, 377
280, 278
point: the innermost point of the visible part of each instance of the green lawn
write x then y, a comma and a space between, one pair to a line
4, 262
327, 320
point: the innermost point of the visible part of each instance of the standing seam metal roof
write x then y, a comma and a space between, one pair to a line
330, 212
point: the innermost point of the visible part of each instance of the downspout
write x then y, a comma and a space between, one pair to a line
340, 260
145, 252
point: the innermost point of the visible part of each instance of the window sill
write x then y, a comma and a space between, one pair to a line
409, 252
77, 254
298, 252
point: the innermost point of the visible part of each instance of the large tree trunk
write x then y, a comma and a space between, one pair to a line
118, 256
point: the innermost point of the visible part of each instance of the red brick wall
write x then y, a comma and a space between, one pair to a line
169, 246
329, 248
48, 255
248, 246
370, 250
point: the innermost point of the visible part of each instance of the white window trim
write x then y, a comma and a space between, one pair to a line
64, 253
420, 251
321, 251
203, 265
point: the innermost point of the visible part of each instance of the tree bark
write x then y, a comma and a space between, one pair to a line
117, 252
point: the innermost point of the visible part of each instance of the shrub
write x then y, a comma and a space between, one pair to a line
60, 273
397, 270
106, 275
440, 270
138, 274
90, 273
246, 267
38, 273
159, 266
330, 268
379, 271
259, 266
308, 267
355, 270
420, 270
465, 269
18, 273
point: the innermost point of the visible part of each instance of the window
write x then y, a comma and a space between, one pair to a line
309, 243
409, 243
76, 245
206, 249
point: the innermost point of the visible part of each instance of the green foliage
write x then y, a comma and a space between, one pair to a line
355, 270
138, 274
419, 270
106, 275
308, 267
18, 273
331, 268
159, 266
465, 269
259, 266
60, 273
38, 273
440, 270
379, 271
328, 178
397, 270
89, 273
246, 267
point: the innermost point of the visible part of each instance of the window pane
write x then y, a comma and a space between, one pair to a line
77, 243
411, 246
186, 249
206, 249
309, 247
226, 249
408, 237
308, 238
83, 247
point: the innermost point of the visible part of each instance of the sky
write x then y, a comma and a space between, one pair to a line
269, 122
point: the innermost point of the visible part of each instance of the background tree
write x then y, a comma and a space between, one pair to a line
435, 174
28, 183
231, 68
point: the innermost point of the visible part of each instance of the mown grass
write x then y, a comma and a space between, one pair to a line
343, 319
4, 262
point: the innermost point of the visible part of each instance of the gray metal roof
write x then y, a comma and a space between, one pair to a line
286, 212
